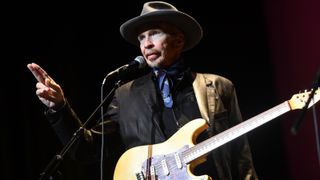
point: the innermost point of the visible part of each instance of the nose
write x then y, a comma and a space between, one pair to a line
148, 43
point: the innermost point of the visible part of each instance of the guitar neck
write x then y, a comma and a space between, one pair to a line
212, 143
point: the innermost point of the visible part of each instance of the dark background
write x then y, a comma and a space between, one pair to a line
268, 48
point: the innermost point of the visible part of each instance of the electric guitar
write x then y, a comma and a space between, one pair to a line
174, 158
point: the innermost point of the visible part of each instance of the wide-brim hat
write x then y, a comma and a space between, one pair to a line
159, 11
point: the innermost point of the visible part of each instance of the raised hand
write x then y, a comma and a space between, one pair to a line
48, 91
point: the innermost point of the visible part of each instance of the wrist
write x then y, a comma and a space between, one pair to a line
57, 107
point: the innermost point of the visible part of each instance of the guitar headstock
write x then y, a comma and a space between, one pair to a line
298, 101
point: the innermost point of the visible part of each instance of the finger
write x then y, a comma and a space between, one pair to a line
33, 68
38, 72
52, 84
44, 94
42, 91
46, 102
51, 91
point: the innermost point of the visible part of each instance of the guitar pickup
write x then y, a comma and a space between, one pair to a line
165, 167
140, 176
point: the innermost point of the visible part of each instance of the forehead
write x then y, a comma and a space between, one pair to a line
165, 27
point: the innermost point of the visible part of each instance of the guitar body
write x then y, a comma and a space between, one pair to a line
158, 161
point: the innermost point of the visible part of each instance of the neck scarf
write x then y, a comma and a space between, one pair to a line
165, 83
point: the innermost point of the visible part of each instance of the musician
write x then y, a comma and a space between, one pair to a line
153, 107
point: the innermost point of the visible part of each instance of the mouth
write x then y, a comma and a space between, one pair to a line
152, 56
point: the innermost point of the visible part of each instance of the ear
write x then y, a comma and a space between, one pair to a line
179, 41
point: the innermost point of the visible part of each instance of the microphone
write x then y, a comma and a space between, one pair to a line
120, 73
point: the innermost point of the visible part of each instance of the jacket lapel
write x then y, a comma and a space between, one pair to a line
205, 95
150, 98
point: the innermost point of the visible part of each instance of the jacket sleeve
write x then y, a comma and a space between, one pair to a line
232, 160
86, 149
241, 153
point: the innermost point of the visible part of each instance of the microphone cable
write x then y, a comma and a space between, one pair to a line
138, 63
102, 134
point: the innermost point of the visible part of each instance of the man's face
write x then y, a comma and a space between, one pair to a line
161, 45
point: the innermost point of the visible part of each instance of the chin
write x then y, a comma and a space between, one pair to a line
154, 64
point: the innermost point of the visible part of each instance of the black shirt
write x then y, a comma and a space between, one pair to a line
185, 107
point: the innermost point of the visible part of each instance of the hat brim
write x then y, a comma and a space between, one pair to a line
188, 25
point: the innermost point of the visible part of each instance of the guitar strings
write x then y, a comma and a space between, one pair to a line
171, 165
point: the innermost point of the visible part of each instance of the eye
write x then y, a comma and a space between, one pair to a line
141, 38
156, 33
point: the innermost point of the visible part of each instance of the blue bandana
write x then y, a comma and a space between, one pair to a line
165, 82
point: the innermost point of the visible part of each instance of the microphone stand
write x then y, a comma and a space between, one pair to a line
297, 122
57, 159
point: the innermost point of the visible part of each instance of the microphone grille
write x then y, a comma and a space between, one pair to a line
142, 62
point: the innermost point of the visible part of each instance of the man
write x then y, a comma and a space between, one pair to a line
152, 108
